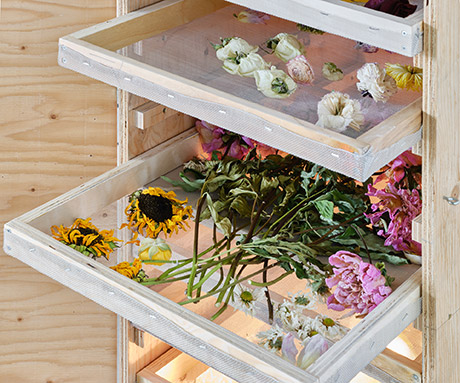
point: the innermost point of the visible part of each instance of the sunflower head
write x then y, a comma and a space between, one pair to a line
131, 270
86, 238
153, 211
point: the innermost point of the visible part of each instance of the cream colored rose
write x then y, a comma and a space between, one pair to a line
274, 83
331, 72
234, 46
337, 111
245, 65
300, 70
286, 46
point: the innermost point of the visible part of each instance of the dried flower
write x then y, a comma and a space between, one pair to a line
231, 47
86, 238
290, 316
328, 328
252, 17
214, 138
274, 83
132, 271
286, 46
300, 70
397, 171
401, 8
154, 249
337, 111
306, 28
245, 64
313, 349
374, 81
245, 299
360, 285
406, 76
331, 72
303, 300
272, 339
402, 206
366, 48
153, 211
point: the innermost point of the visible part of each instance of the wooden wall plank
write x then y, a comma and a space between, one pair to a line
441, 177
57, 130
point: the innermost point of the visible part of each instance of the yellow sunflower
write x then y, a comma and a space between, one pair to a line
132, 271
153, 211
86, 238
406, 76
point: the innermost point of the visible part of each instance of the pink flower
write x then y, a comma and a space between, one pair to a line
398, 168
252, 17
313, 349
300, 70
402, 206
360, 286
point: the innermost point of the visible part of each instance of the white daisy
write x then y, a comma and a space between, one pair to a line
303, 300
245, 299
308, 329
272, 339
289, 315
374, 81
328, 328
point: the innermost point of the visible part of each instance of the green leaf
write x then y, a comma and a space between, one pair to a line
325, 209
186, 187
222, 223
241, 205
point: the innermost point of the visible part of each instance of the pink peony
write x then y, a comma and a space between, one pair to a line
402, 206
398, 168
360, 286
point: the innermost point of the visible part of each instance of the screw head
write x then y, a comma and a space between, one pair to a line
404, 33
415, 378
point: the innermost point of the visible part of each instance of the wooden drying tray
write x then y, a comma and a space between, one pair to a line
28, 239
99, 51
353, 21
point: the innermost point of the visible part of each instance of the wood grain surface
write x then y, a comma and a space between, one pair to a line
57, 130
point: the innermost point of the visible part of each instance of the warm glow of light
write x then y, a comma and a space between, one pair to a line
213, 376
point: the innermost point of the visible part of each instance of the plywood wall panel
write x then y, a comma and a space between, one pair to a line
57, 130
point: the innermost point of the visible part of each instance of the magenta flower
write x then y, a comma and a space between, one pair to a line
252, 17
400, 166
402, 206
360, 286
401, 8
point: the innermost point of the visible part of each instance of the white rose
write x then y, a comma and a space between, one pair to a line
274, 83
331, 72
231, 48
287, 46
245, 65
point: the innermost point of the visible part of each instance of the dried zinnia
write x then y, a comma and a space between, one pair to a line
360, 286
406, 76
401, 207
375, 82
86, 238
338, 111
153, 211
401, 8
331, 72
300, 70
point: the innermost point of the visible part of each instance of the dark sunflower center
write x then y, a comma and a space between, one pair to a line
158, 209
87, 231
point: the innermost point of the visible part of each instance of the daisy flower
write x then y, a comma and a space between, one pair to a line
406, 76
289, 315
272, 339
328, 328
245, 299
303, 300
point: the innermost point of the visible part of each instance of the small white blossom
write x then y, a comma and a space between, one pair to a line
233, 47
308, 329
245, 299
331, 72
272, 339
289, 315
337, 111
274, 83
374, 81
303, 300
328, 328
286, 46
245, 65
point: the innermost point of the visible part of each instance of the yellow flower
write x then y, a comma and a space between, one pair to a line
153, 211
86, 238
406, 76
154, 249
128, 270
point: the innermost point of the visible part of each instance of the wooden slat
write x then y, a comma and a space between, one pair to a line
417, 229
149, 114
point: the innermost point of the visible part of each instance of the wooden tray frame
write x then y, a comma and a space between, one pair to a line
26, 239
98, 45
396, 34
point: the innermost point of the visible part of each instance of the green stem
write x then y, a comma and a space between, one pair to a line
274, 281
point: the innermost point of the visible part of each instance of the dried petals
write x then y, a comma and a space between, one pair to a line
286, 46
374, 81
338, 111
231, 47
406, 76
274, 83
250, 16
245, 64
366, 48
401, 8
314, 348
331, 72
300, 70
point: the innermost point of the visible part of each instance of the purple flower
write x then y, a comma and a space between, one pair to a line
400, 167
252, 17
402, 206
401, 8
366, 48
360, 286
